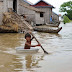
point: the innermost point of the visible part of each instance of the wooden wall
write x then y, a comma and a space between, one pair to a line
30, 14
4, 5
38, 19
55, 16
1, 12
47, 14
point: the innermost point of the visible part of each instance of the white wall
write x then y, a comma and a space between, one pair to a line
10, 4
4, 5
7, 4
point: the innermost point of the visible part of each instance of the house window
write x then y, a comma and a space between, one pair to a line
41, 14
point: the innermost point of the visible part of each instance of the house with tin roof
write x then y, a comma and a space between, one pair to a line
47, 9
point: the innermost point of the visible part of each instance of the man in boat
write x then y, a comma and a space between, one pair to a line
28, 41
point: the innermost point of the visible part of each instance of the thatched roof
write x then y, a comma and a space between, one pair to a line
30, 7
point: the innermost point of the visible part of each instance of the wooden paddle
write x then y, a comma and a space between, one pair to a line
40, 44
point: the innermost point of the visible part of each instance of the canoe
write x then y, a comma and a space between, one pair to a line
32, 50
47, 30
53, 25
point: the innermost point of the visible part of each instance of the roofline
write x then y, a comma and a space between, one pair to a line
31, 8
43, 1
56, 13
44, 6
27, 2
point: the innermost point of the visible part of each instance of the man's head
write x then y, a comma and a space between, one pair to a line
27, 36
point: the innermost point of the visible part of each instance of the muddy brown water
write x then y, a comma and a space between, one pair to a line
59, 47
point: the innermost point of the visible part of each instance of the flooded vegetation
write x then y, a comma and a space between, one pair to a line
59, 47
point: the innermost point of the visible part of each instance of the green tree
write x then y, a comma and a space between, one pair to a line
67, 8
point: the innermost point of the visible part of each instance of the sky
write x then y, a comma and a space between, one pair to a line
55, 3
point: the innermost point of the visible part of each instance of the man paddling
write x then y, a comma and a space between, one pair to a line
28, 41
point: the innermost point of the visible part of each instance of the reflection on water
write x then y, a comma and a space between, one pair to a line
27, 62
59, 47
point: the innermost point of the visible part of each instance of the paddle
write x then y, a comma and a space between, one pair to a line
40, 44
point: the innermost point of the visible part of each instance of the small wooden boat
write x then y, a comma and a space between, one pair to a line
32, 50
53, 25
47, 30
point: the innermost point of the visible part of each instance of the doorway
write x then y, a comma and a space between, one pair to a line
15, 5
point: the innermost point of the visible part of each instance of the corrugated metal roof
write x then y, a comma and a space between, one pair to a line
51, 6
56, 13
28, 2
30, 7
44, 6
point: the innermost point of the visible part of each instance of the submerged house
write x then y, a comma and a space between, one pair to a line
10, 19
46, 8
36, 14
32, 14
21, 7
41, 13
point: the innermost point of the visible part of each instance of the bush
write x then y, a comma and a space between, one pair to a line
66, 19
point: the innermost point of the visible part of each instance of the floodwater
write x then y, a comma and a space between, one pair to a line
59, 47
